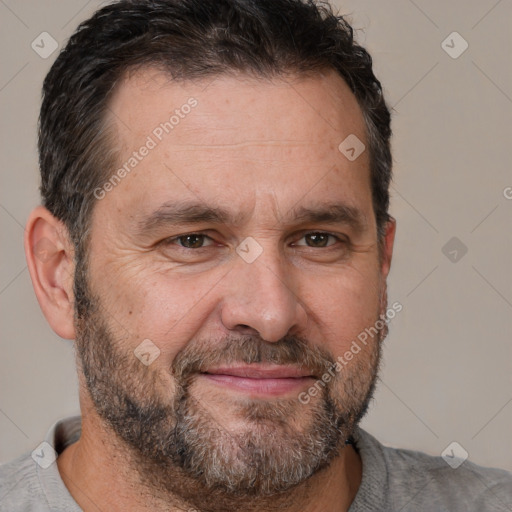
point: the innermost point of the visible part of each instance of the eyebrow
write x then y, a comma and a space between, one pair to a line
331, 213
180, 212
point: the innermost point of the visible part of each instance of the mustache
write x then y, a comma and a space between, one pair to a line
198, 357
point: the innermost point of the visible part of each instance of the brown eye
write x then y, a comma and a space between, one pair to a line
317, 239
192, 241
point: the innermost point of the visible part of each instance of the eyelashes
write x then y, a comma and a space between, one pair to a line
312, 239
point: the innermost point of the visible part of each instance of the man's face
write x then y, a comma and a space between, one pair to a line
243, 245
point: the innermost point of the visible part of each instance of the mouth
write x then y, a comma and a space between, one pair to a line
260, 380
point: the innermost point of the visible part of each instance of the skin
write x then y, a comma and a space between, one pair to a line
259, 148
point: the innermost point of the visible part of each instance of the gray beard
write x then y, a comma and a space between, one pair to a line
180, 454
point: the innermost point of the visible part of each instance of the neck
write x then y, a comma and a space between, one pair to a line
100, 474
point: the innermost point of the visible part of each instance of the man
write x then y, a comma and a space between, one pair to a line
215, 237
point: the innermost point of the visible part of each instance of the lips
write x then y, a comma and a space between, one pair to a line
270, 380
261, 372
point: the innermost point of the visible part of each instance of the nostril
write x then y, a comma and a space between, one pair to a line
247, 330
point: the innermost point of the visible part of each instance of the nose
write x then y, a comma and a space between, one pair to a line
261, 298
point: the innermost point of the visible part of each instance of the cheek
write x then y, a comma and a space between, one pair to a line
342, 306
168, 310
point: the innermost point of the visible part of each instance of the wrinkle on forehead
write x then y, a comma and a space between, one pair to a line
247, 143
264, 145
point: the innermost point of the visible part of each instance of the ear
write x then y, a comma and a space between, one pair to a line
50, 259
387, 247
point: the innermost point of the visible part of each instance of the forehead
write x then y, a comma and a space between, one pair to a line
308, 106
237, 140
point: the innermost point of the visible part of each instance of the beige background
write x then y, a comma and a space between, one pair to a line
448, 359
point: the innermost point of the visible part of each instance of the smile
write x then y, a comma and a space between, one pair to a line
265, 380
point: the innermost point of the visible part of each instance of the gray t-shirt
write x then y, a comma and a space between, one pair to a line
393, 479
